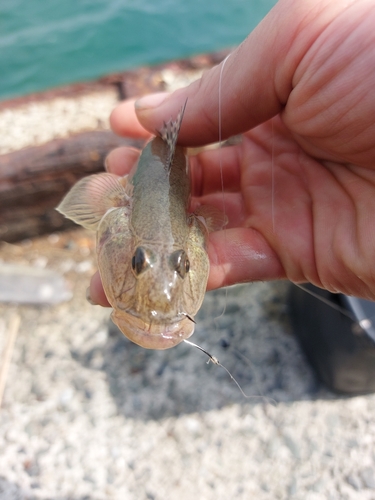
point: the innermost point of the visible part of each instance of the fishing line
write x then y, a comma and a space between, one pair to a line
215, 361
220, 88
221, 173
272, 178
256, 377
363, 323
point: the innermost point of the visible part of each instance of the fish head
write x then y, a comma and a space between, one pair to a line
156, 313
155, 291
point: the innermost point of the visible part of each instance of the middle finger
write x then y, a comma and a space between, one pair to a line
121, 160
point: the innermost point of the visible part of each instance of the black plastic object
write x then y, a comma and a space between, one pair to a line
338, 341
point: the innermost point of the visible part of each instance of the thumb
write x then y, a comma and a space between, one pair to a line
254, 82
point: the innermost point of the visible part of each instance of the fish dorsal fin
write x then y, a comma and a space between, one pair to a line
169, 134
89, 200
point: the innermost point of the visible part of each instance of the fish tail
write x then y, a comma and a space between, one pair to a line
169, 134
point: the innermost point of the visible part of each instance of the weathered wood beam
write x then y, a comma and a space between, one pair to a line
34, 180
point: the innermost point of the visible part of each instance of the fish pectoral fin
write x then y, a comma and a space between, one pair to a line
212, 218
169, 133
88, 200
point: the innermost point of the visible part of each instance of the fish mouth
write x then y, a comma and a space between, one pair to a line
153, 336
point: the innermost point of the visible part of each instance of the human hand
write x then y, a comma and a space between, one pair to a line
299, 191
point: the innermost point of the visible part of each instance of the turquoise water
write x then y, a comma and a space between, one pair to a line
45, 43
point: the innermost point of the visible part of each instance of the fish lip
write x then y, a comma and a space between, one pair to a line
155, 335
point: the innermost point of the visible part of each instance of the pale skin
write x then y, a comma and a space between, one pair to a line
299, 190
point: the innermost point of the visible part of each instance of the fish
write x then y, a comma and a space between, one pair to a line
151, 252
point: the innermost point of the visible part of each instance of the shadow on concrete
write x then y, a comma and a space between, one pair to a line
12, 491
252, 339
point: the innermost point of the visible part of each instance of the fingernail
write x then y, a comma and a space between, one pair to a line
89, 299
106, 163
150, 101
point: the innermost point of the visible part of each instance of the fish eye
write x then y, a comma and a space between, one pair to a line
179, 262
141, 260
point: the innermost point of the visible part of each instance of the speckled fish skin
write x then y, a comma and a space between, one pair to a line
152, 307
151, 253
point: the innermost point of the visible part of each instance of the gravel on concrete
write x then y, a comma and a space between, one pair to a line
36, 123
89, 415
